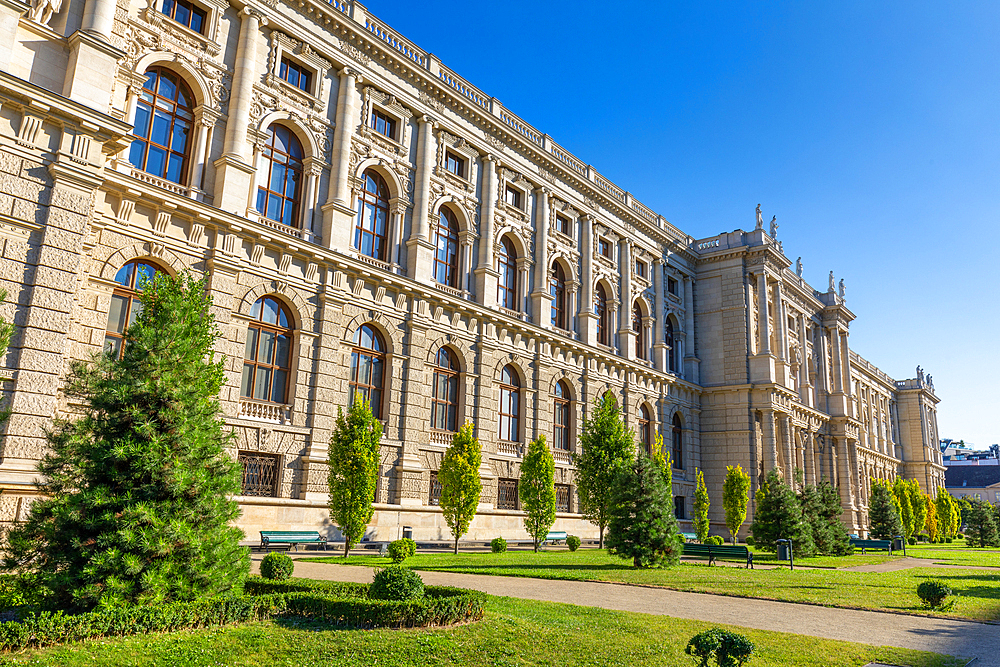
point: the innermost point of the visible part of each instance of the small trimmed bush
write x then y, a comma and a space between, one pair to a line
749, 541
933, 592
396, 583
400, 550
947, 540
277, 566
715, 540
498, 545
573, 542
728, 648
911, 541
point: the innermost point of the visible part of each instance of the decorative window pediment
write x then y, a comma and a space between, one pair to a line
287, 61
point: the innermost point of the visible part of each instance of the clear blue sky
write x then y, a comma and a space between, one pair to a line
869, 129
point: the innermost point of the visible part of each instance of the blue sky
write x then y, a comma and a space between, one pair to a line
872, 130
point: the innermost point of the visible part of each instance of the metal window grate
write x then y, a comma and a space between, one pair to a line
260, 474
562, 497
507, 494
435, 490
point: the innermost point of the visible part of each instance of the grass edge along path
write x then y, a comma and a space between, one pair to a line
513, 632
977, 591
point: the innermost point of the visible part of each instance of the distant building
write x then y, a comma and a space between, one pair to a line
981, 482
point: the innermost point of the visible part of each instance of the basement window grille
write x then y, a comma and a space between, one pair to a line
260, 474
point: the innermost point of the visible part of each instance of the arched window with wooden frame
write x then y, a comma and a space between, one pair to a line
507, 268
603, 311
267, 356
444, 400
637, 328
645, 429
557, 289
562, 404
677, 443
125, 305
510, 405
164, 118
371, 230
279, 197
367, 368
446, 252
669, 340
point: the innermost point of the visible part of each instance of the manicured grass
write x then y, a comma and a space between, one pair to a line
978, 591
513, 633
833, 562
956, 553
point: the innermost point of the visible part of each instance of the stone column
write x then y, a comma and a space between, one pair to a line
837, 370
337, 212
781, 322
805, 393
845, 477
523, 264
202, 127
312, 171
690, 361
788, 451
419, 248
588, 320
234, 170
832, 445
11, 12
770, 442
93, 60
541, 300
99, 18
486, 271
808, 461
659, 346
763, 324
626, 337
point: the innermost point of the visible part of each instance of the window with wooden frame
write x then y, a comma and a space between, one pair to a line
296, 75
507, 494
563, 224
679, 507
384, 124
637, 328
640, 268
454, 164
645, 430
125, 305
446, 250
260, 474
444, 399
562, 498
371, 229
604, 247
267, 358
164, 118
561, 419
602, 308
367, 368
510, 405
507, 268
672, 286
434, 492
677, 443
670, 343
513, 197
557, 290
186, 13
279, 196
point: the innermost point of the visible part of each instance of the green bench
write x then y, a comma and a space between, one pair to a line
885, 545
690, 537
713, 552
555, 536
269, 538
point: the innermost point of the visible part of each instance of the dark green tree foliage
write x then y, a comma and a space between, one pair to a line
996, 515
980, 529
821, 511
537, 490
353, 460
883, 519
605, 449
642, 524
779, 517
137, 504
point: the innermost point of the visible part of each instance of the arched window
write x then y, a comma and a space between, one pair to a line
601, 309
279, 199
562, 404
510, 404
163, 120
125, 305
444, 405
677, 444
645, 429
671, 364
267, 359
367, 368
446, 254
640, 339
557, 288
371, 228
507, 267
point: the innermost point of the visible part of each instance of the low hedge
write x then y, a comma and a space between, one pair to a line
340, 589
440, 606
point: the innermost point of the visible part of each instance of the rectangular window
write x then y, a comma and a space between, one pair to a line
296, 74
604, 248
384, 124
454, 164
260, 474
562, 224
435, 491
562, 498
186, 14
513, 197
507, 494
679, 507
640, 269
672, 286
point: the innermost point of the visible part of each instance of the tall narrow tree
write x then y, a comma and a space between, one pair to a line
931, 523
901, 490
917, 505
701, 504
945, 513
353, 477
460, 482
642, 523
735, 499
606, 448
537, 490
137, 493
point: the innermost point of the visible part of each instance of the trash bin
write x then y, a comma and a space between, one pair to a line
897, 544
782, 551
407, 533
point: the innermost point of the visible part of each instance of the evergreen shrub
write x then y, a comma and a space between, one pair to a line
749, 541
573, 542
933, 592
396, 583
728, 648
400, 550
715, 540
277, 566
947, 540
498, 545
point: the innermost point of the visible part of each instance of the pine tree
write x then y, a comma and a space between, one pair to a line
883, 517
931, 523
779, 516
537, 491
701, 503
353, 459
902, 492
606, 448
460, 482
137, 494
980, 529
821, 510
918, 505
641, 519
735, 498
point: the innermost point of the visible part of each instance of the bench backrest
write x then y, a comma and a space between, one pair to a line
290, 534
872, 544
714, 550
556, 535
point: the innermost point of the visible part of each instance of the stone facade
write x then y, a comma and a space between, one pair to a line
714, 343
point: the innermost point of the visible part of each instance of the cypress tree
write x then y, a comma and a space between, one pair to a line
902, 492
918, 506
537, 491
353, 460
735, 498
779, 516
701, 504
980, 529
947, 523
461, 485
137, 487
932, 520
883, 517
641, 520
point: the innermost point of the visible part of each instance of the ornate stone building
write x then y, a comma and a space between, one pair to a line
372, 222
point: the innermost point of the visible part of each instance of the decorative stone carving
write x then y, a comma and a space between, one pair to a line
42, 11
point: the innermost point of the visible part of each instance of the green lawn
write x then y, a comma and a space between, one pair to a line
978, 591
956, 553
833, 562
513, 633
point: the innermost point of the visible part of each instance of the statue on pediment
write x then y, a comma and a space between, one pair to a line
42, 11
774, 227
760, 218
833, 283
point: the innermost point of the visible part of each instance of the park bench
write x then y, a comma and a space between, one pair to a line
269, 538
689, 537
555, 536
714, 552
885, 545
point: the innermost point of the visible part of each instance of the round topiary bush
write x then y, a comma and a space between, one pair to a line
714, 540
396, 583
276, 566
749, 541
933, 592
400, 550
573, 542
498, 545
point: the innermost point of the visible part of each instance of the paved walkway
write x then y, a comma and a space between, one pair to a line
960, 638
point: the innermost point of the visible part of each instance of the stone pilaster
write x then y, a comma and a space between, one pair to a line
486, 271
420, 247
588, 320
660, 351
626, 337
541, 300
